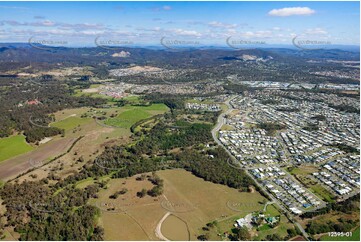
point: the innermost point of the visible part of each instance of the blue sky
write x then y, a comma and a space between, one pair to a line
205, 23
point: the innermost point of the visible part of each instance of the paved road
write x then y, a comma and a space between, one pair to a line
274, 200
221, 121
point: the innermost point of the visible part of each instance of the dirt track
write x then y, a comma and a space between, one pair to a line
158, 231
12, 167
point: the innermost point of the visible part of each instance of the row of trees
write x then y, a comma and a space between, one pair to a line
38, 133
319, 227
348, 206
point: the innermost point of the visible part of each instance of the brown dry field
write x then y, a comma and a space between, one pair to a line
12, 167
95, 139
192, 199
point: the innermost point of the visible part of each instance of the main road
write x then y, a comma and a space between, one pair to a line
220, 122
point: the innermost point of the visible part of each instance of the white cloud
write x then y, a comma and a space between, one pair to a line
91, 32
231, 31
49, 23
167, 8
187, 32
162, 8
257, 34
317, 31
284, 12
217, 24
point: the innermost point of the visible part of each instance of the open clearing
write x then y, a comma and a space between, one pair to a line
70, 122
94, 88
21, 163
132, 114
193, 200
304, 170
302, 174
322, 192
13, 146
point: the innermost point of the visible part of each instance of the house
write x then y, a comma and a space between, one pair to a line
241, 222
296, 211
246, 222
257, 219
33, 102
271, 220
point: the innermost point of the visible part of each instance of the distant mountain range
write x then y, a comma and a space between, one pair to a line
282, 64
353, 48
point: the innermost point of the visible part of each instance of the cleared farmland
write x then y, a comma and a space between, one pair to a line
193, 200
131, 114
13, 146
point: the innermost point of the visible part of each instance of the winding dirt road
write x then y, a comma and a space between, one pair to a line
158, 231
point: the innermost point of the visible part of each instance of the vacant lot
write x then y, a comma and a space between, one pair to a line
192, 199
13, 146
303, 170
302, 174
322, 192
